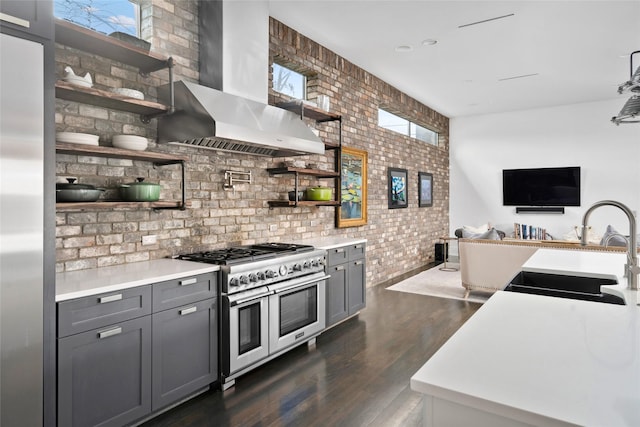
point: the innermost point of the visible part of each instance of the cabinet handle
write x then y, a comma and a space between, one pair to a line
110, 333
358, 246
358, 262
338, 251
110, 298
15, 20
188, 281
340, 267
188, 310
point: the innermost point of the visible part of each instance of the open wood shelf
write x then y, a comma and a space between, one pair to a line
78, 37
107, 99
304, 171
289, 203
118, 205
99, 151
310, 111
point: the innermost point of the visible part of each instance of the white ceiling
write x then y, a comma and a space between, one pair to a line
579, 50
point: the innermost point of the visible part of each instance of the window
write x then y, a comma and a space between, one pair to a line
105, 16
395, 123
289, 82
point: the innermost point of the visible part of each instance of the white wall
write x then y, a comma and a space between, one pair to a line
570, 135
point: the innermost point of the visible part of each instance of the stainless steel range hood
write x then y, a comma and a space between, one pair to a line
208, 118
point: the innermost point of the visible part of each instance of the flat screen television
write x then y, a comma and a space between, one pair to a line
541, 187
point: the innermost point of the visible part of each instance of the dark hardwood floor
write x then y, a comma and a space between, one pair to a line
357, 374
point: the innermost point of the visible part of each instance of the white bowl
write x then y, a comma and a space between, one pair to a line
77, 138
130, 142
131, 93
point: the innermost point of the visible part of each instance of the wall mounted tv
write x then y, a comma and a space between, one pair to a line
541, 187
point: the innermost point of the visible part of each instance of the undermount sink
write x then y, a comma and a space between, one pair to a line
556, 285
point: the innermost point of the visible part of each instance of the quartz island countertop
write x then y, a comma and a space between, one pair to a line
538, 360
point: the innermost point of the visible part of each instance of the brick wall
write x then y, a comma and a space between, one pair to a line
398, 239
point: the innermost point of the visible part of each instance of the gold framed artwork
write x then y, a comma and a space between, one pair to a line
353, 185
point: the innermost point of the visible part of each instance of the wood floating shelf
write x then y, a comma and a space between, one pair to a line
118, 205
289, 203
107, 99
78, 37
310, 111
304, 171
99, 151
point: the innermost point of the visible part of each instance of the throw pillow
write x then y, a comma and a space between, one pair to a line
614, 238
491, 234
480, 229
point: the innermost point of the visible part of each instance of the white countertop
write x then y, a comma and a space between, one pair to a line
82, 283
331, 242
544, 360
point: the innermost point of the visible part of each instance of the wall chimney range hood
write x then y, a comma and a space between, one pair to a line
208, 118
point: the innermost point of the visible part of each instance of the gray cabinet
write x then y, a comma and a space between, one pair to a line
346, 288
28, 16
104, 374
184, 351
124, 355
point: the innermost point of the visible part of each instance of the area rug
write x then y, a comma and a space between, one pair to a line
438, 283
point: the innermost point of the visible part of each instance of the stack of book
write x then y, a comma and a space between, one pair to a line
529, 232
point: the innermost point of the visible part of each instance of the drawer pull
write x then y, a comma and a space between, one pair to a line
110, 333
188, 281
340, 267
188, 310
358, 262
15, 20
339, 251
110, 298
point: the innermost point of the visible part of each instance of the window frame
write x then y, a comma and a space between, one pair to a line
411, 128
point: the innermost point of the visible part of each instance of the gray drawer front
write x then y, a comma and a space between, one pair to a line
186, 290
357, 251
337, 256
96, 311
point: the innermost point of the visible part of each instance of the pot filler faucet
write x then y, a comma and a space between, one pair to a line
632, 268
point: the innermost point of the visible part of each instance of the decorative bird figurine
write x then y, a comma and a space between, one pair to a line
71, 77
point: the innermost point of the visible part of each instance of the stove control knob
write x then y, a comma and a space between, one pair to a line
297, 267
253, 277
233, 281
270, 274
320, 261
306, 265
261, 275
244, 280
283, 270
314, 263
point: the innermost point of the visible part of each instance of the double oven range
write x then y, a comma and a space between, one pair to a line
273, 298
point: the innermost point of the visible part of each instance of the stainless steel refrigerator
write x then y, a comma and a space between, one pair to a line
22, 129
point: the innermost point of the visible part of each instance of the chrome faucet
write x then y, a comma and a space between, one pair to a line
632, 268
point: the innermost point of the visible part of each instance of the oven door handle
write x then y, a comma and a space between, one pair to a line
254, 295
300, 285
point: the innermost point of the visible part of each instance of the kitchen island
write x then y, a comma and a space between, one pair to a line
526, 360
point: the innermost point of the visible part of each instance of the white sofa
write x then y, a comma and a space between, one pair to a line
489, 265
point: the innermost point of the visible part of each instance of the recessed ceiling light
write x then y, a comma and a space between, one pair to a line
429, 42
404, 48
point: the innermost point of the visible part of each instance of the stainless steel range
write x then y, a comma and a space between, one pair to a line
273, 299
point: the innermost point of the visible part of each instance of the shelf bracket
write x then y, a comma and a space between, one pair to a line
146, 118
183, 202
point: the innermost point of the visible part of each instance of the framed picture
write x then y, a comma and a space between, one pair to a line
397, 188
353, 182
425, 189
